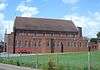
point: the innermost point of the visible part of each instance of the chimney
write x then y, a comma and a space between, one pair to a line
79, 31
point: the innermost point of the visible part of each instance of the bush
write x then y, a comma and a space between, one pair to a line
18, 64
51, 65
1, 60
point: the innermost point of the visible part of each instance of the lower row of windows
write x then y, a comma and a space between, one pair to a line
69, 44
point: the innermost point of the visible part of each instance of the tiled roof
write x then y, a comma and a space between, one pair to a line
28, 23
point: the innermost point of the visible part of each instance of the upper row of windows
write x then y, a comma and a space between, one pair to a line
45, 34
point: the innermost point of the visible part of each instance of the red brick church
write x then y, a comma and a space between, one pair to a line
42, 35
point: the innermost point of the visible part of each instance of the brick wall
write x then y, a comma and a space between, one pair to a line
30, 42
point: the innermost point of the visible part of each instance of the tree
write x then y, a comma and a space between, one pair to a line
94, 40
98, 34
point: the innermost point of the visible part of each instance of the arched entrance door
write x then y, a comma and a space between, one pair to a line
52, 45
62, 49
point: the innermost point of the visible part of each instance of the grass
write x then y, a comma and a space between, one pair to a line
65, 61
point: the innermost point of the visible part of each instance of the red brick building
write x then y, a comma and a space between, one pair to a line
93, 46
98, 43
31, 35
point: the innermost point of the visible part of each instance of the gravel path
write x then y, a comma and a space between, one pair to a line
13, 67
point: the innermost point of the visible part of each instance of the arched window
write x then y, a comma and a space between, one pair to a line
80, 44
58, 43
48, 44
74, 44
29, 44
44, 33
39, 43
26, 43
35, 44
68, 44
18, 43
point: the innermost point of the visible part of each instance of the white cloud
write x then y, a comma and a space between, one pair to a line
72, 2
8, 25
28, 0
4, 24
90, 24
1, 16
26, 10
2, 1
2, 6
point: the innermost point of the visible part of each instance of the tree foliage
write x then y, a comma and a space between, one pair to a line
94, 40
98, 34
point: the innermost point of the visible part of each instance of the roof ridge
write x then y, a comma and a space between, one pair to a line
58, 19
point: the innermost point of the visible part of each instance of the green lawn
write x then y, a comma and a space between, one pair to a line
69, 61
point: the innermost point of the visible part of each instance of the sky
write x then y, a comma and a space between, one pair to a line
83, 13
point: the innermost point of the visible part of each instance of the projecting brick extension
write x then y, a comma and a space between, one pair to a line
32, 35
